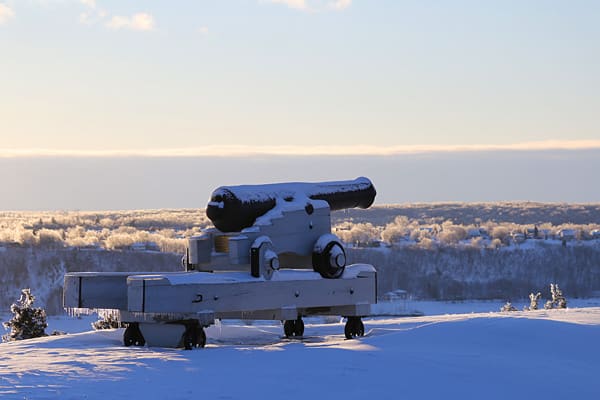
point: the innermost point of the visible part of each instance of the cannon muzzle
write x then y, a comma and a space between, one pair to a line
233, 208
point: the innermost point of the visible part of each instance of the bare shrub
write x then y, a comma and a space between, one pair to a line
50, 238
501, 233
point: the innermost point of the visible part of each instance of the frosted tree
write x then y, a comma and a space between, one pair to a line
451, 234
558, 300
533, 301
27, 322
501, 233
360, 234
396, 230
508, 307
557, 296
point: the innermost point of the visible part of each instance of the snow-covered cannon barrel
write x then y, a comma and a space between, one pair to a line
233, 208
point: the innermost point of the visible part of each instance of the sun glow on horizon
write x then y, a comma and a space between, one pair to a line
289, 150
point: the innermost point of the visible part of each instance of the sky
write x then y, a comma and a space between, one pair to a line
341, 87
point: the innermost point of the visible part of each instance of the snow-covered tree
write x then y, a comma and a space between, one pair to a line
558, 300
398, 229
533, 301
426, 244
50, 238
508, 307
501, 233
27, 322
360, 234
451, 234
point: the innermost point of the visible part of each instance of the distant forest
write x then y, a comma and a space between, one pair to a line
435, 251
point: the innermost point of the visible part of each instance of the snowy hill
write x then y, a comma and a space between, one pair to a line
516, 355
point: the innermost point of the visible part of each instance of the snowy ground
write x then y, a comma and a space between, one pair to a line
476, 355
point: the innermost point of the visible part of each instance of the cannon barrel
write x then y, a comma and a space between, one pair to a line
233, 208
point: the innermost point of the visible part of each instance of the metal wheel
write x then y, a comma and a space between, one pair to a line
293, 327
128, 339
331, 261
299, 327
354, 328
188, 340
289, 327
360, 328
133, 336
201, 338
194, 336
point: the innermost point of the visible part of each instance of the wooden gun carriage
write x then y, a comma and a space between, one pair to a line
270, 256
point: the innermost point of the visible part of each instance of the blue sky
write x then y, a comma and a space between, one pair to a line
237, 78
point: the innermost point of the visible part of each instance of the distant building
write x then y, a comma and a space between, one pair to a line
395, 295
90, 247
533, 233
144, 246
395, 303
399, 240
151, 246
484, 233
370, 243
138, 246
566, 234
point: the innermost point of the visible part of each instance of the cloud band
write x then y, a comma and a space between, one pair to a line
244, 151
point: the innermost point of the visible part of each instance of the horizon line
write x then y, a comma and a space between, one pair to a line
289, 150
374, 205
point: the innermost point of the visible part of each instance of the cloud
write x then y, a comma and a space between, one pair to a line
313, 5
137, 22
6, 13
86, 18
93, 14
89, 3
340, 4
203, 30
356, 150
297, 4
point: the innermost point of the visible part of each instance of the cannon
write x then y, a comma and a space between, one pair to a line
270, 255
290, 222
233, 208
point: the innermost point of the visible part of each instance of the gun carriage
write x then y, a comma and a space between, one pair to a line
271, 255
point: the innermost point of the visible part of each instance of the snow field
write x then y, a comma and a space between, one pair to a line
478, 355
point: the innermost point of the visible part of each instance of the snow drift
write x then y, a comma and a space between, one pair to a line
538, 354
